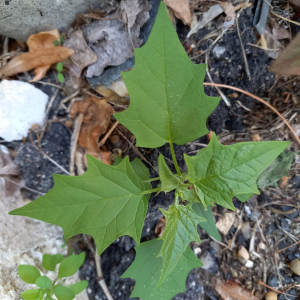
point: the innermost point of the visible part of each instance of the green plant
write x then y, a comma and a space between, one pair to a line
46, 288
168, 105
60, 76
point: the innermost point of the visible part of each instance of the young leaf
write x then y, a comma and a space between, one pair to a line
44, 282
63, 293
60, 77
169, 181
181, 229
50, 261
28, 273
167, 99
59, 67
71, 265
210, 225
78, 287
146, 270
106, 202
33, 294
220, 172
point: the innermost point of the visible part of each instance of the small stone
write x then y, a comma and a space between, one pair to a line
273, 280
249, 264
243, 255
271, 296
297, 278
210, 261
295, 266
246, 230
218, 51
255, 138
270, 227
291, 216
285, 224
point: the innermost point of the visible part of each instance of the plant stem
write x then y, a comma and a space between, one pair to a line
153, 179
174, 159
151, 191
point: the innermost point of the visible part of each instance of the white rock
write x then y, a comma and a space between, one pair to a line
21, 105
249, 264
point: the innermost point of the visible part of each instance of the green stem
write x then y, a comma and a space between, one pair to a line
174, 159
151, 191
152, 179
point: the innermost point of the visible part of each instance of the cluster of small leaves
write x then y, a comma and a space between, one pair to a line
46, 288
168, 105
60, 76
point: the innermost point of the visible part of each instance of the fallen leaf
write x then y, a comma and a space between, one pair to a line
96, 120
208, 16
181, 9
270, 43
288, 62
240, 5
83, 56
279, 31
229, 10
160, 227
105, 156
231, 291
31, 60
225, 222
110, 40
8, 170
42, 40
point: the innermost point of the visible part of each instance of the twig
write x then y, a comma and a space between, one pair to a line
102, 142
262, 48
260, 100
136, 150
50, 84
274, 290
241, 42
49, 158
74, 139
210, 78
279, 16
100, 278
286, 248
70, 97
23, 186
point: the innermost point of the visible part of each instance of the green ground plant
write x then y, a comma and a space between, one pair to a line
168, 105
46, 288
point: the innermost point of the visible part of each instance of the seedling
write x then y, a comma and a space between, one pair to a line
60, 76
168, 105
46, 288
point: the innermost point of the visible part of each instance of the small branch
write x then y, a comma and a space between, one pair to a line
102, 142
286, 248
260, 100
74, 139
274, 290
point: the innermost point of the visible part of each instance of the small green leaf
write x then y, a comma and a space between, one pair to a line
221, 172
64, 293
50, 261
56, 43
181, 229
60, 77
169, 181
59, 67
62, 39
71, 265
210, 225
28, 273
31, 294
167, 99
44, 282
78, 287
106, 202
146, 270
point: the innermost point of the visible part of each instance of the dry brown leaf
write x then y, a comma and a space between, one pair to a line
83, 56
105, 156
269, 43
295, 2
231, 291
225, 222
31, 60
181, 9
9, 170
240, 5
42, 40
229, 10
280, 32
288, 62
160, 227
96, 120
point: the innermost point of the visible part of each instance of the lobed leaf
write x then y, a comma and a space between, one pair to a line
71, 265
181, 229
209, 226
50, 261
169, 181
167, 99
146, 270
28, 273
220, 172
106, 202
